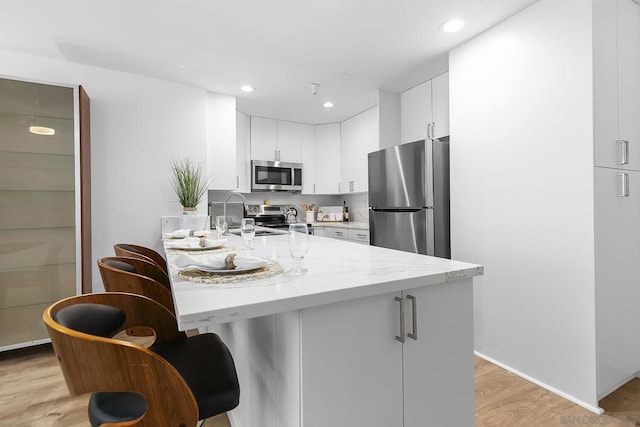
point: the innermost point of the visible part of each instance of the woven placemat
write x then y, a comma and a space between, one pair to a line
225, 248
250, 278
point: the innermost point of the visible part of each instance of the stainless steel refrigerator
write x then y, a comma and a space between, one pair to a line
409, 198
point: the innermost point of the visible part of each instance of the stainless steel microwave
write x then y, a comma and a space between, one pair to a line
276, 176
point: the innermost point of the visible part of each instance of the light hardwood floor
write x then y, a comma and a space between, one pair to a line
33, 393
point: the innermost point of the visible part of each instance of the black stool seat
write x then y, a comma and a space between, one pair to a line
115, 407
206, 365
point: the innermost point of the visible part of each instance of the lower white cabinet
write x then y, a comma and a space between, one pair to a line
343, 364
358, 235
617, 239
433, 373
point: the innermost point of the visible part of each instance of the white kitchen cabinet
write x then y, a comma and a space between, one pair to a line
425, 110
227, 133
617, 209
617, 85
440, 105
243, 148
327, 159
358, 137
416, 113
289, 141
358, 235
433, 374
264, 138
308, 158
337, 233
275, 140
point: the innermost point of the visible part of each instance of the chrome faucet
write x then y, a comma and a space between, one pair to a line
224, 206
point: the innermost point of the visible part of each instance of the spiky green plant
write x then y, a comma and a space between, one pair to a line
188, 182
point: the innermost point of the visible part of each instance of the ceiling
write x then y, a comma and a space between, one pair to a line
349, 47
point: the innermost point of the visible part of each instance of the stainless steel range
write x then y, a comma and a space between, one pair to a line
274, 216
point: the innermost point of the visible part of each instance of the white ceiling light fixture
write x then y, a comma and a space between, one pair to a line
327, 104
453, 25
42, 130
247, 88
36, 125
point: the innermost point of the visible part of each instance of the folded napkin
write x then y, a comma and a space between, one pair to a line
178, 234
194, 243
217, 262
185, 232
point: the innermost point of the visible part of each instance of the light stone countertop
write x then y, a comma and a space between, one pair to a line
337, 271
355, 225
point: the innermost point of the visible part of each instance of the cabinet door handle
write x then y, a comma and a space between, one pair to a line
401, 337
428, 130
339, 187
433, 130
623, 185
414, 318
278, 155
338, 233
351, 185
237, 182
314, 189
361, 235
623, 152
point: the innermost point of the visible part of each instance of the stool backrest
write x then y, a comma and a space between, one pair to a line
135, 275
80, 328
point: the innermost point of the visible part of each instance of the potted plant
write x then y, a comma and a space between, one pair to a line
189, 184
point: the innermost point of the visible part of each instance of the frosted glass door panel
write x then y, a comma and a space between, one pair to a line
37, 207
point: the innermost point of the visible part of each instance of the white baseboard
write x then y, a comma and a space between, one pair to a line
233, 420
594, 409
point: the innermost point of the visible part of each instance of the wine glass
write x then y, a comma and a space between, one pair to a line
221, 226
248, 231
298, 245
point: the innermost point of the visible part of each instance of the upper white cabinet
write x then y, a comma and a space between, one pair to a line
289, 141
275, 140
440, 106
359, 137
425, 110
223, 160
327, 159
243, 148
228, 141
617, 86
416, 112
308, 157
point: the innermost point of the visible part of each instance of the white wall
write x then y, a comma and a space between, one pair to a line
137, 125
522, 191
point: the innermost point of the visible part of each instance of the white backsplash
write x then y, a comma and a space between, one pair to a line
358, 203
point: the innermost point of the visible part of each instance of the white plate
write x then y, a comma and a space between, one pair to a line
236, 270
198, 248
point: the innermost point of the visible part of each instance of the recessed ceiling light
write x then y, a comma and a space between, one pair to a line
42, 130
327, 104
453, 25
246, 88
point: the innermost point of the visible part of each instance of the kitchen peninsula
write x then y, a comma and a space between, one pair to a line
367, 337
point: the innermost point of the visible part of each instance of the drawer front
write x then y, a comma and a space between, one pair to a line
359, 235
338, 233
